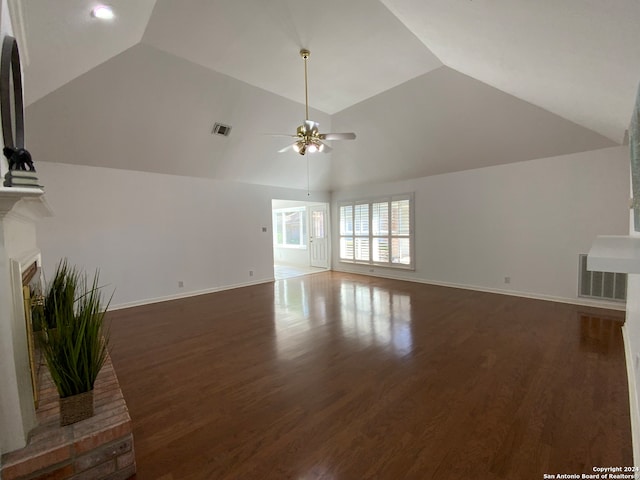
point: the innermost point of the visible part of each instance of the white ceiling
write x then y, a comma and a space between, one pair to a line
578, 59
60, 41
358, 47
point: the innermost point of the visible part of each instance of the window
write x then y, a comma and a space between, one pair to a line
377, 232
290, 227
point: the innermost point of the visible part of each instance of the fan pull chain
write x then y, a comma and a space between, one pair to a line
308, 181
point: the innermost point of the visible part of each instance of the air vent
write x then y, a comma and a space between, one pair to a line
220, 129
601, 285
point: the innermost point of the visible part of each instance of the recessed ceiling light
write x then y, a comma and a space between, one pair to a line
104, 12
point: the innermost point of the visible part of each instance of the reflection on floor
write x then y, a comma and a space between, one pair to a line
340, 376
289, 271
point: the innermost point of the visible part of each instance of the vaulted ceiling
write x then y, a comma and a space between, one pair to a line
429, 86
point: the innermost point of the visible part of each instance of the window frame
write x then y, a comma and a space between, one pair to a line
369, 236
304, 234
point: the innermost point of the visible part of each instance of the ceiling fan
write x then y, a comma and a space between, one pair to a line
309, 139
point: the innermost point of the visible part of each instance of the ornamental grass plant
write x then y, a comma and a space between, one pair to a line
74, 340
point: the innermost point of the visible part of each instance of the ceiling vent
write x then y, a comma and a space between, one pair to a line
220, 129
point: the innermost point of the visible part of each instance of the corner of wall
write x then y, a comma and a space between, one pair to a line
634, 411
631, 336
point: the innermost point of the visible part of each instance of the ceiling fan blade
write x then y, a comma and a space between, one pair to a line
287, 148
337, 136
326, 148
280, 135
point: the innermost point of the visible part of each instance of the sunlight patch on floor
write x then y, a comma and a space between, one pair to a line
289, 271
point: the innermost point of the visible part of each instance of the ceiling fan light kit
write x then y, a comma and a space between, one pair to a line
309, 139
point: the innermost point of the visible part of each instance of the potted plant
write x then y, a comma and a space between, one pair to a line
74, 341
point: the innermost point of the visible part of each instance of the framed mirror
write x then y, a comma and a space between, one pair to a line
11, 102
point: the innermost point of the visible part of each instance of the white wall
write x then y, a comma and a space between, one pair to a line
147, 231
526, 220
631, 332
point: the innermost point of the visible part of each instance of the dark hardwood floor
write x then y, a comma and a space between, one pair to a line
335, 376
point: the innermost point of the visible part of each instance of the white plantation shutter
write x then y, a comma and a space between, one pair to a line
400, 224
362, 249
400, 229
380, 218
377, 232
380, 232
381, 250
346, 232
346, 220
346, 248
361, 219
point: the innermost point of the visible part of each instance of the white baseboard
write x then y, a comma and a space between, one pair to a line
634, 412
514, 293
178, 296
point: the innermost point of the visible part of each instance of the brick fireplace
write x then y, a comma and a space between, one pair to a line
100, 447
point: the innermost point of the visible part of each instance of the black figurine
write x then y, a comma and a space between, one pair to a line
19, 159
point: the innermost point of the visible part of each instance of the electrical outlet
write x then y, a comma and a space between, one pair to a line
180, 284
251, 273
507, 279
264, 229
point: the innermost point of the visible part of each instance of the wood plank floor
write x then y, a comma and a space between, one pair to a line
336, 376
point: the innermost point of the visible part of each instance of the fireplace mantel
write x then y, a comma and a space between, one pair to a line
24, 202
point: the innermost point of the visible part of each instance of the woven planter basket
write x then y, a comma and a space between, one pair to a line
76, 407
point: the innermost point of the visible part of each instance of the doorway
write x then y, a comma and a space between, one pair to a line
301, 239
